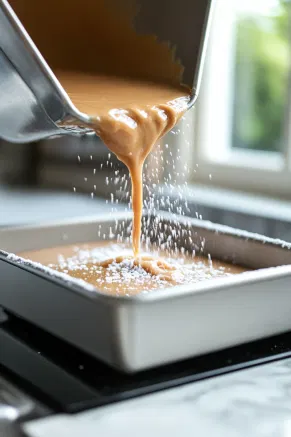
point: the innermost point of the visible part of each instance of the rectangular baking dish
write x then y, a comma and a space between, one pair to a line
159, 327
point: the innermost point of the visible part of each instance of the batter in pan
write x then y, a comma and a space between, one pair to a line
112, 269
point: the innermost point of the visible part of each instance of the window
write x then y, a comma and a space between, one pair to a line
242, 123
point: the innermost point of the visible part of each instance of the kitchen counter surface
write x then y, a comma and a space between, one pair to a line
30, 206
249, 403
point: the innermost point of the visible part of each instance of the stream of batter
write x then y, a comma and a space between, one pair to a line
130, 116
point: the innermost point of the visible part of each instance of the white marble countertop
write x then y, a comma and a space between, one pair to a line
248, 403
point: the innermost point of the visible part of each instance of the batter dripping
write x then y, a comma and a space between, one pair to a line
130, 116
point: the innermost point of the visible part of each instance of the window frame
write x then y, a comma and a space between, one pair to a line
267, 173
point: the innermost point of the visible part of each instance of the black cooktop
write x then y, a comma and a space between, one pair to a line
68, 380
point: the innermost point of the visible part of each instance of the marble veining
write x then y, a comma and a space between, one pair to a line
254, 403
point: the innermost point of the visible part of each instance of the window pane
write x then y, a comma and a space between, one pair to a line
261, 74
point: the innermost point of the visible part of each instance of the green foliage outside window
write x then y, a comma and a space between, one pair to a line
261, 80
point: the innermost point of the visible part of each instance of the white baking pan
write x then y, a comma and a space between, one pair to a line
158, 327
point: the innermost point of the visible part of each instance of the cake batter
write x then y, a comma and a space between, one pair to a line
128, 83
112, 269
